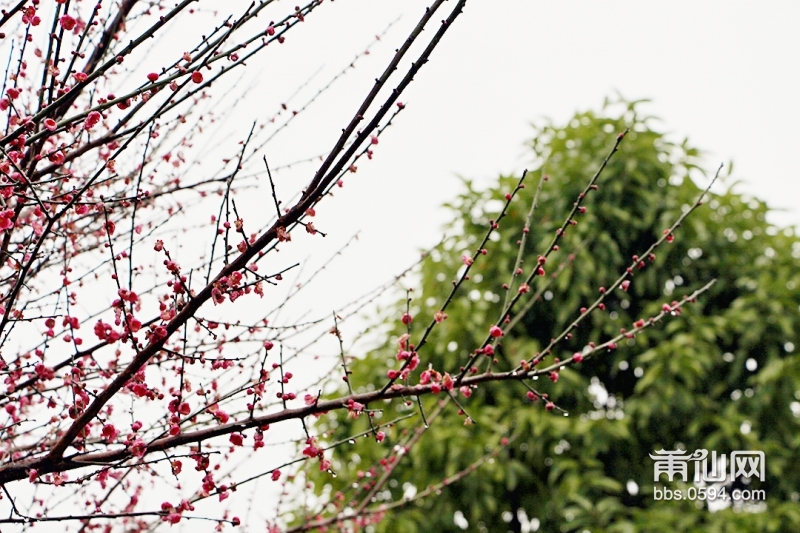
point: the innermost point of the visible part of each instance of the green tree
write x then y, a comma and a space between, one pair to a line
724, 375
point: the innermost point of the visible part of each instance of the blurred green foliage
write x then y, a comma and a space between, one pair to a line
724, 375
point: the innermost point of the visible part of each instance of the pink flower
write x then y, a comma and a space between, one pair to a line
355, 408
425, 377
110, 433
159, 333
402, 341
447, 382
91, 120
67, 22
311, 450
217, 296
283, 235
7, 219
495, 332
138, 448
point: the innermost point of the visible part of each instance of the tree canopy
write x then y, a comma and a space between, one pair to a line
722, 375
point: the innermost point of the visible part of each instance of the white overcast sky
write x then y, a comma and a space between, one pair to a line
725, 74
